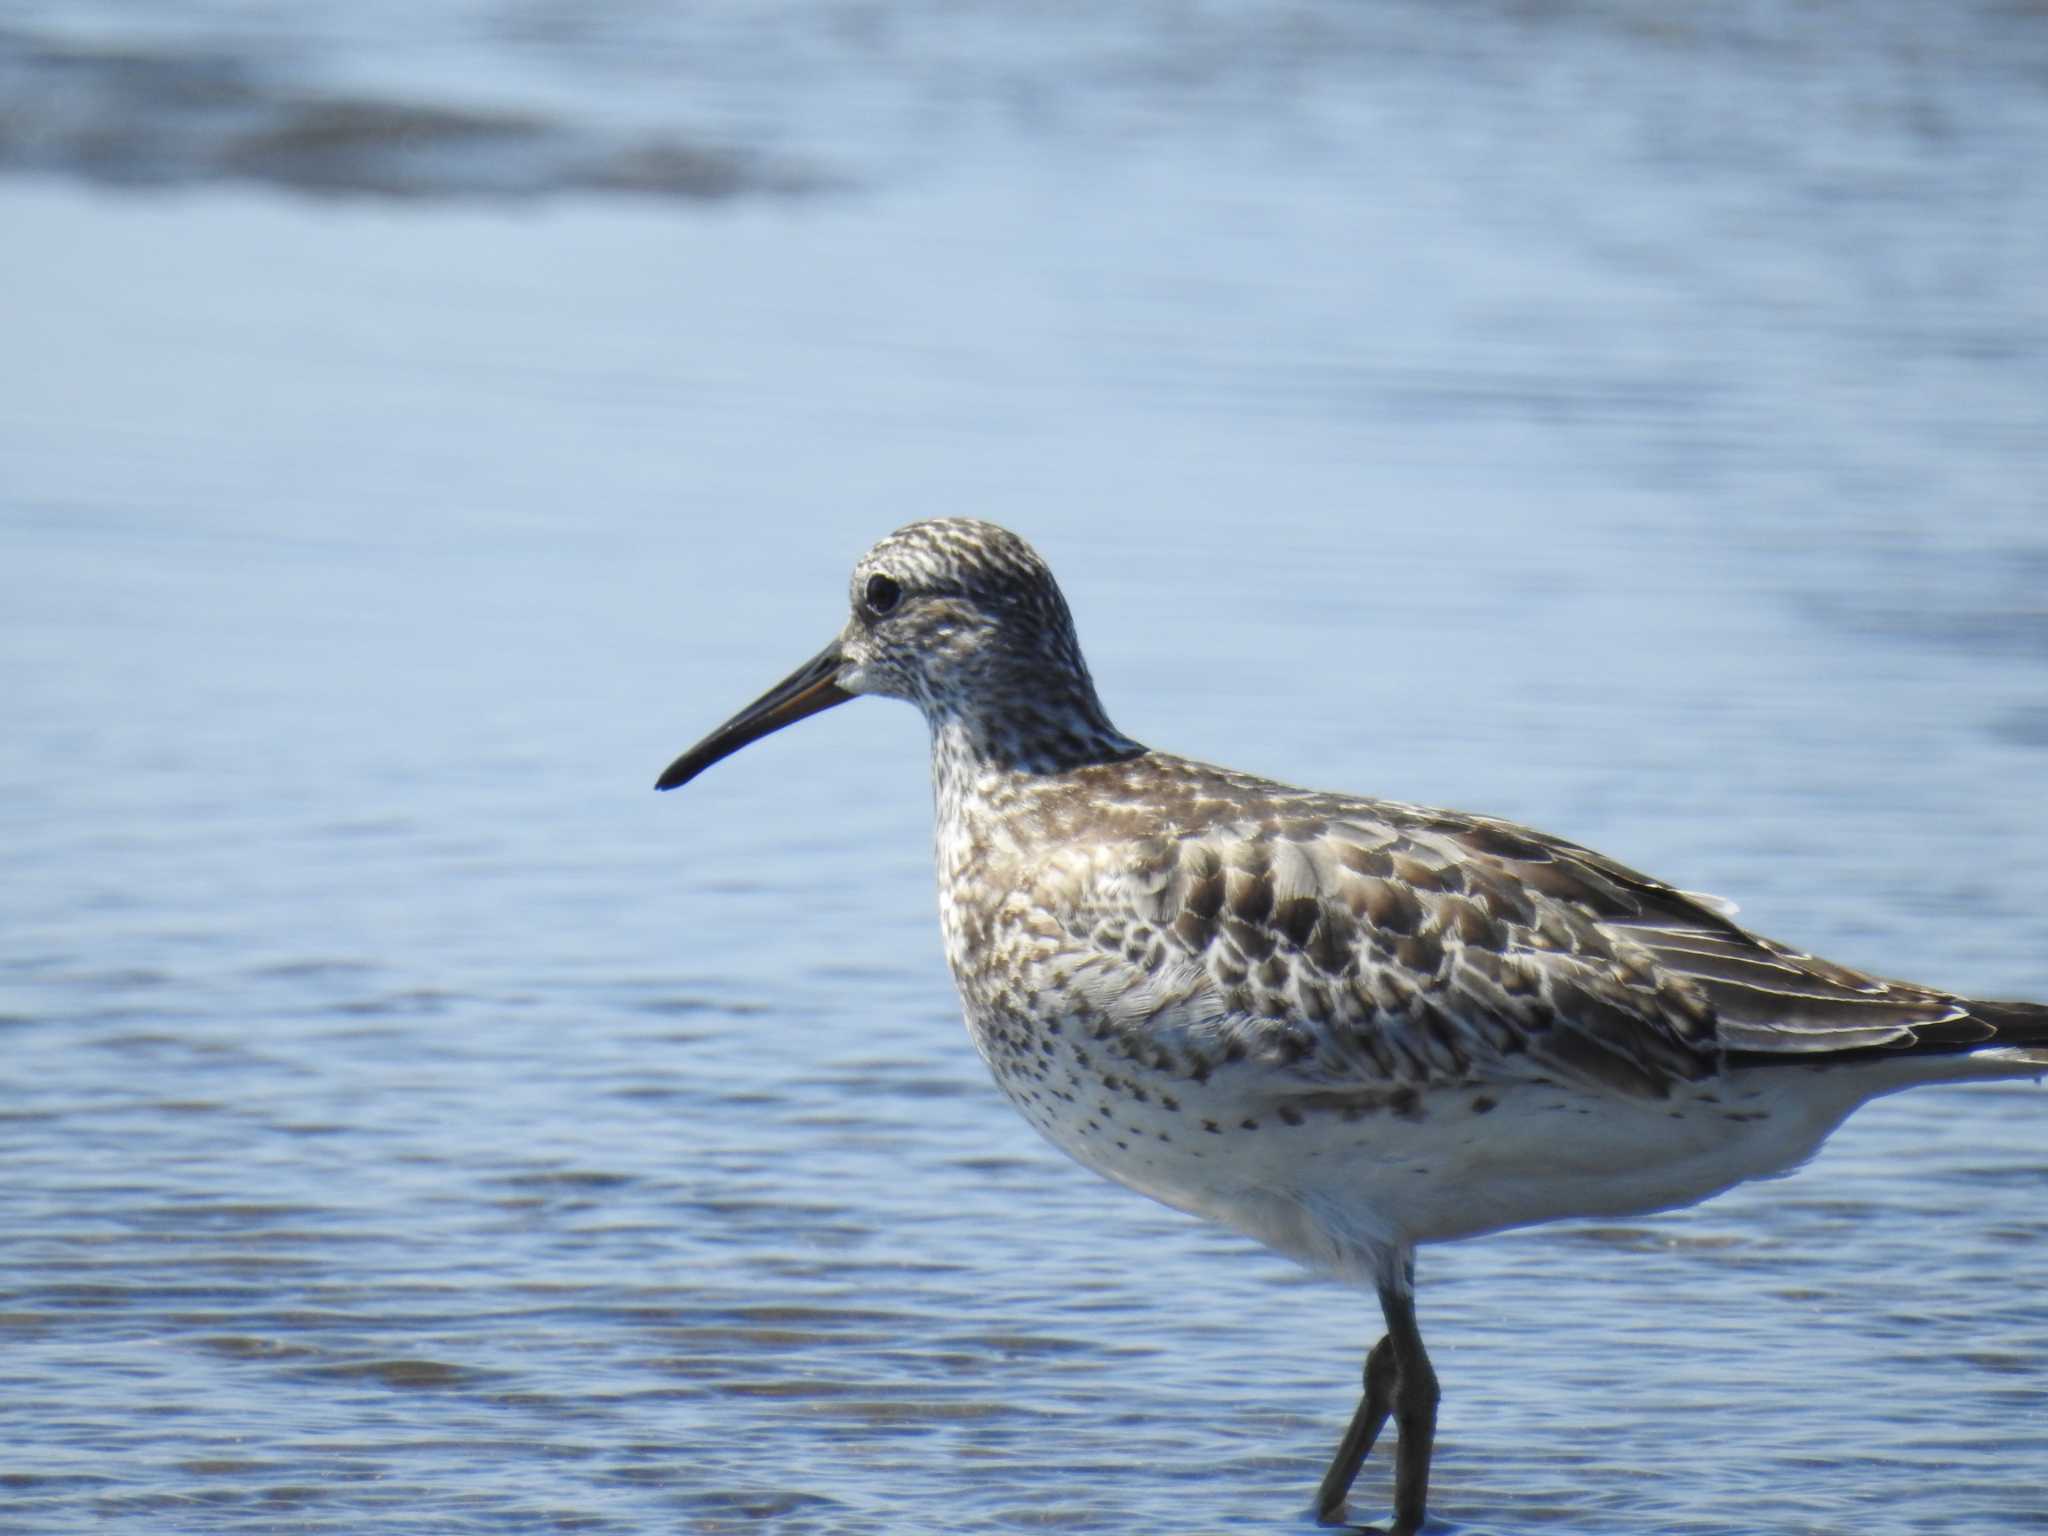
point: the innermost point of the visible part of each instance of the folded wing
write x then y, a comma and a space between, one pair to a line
1365, 944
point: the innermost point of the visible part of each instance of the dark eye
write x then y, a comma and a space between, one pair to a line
883, 594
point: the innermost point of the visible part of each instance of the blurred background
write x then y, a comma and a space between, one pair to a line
419, 422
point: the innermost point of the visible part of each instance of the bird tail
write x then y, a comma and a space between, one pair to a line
2019, 1035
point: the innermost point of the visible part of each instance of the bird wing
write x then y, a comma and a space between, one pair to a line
1765, 997
1364, 944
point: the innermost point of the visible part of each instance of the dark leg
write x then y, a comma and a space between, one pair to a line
1415, 1399
1399, 1382
1366, 1425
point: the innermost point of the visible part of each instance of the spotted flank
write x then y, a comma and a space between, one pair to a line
1342, 1026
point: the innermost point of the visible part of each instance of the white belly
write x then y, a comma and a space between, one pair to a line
1337, 1186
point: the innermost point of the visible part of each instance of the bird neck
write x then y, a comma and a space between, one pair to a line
1034, 736
992, 778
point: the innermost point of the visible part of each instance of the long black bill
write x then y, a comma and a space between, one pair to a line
805, 691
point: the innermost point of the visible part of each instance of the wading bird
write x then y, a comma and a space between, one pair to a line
1342, 1026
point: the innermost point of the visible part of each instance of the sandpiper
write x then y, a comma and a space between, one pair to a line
1342, 1026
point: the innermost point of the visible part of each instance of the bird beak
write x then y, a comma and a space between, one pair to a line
806, 691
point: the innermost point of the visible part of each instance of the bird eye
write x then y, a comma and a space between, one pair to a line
883, 594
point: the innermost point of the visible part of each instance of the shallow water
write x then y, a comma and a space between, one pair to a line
413, 1122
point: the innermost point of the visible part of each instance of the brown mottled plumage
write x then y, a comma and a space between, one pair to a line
1343, 1026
